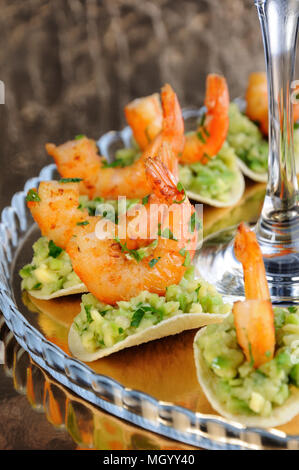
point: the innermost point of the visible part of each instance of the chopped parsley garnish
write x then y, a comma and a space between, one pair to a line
201, 137
140, 312
120, 330
137, 317
194, 222
103, 312
167, 233
202, 120
88, 314
187, 260
138, 254
292, 309
186, 255
37, 286
206, 131
145, 200
84, 222
32, 196
70, 180
154, 261
118, 162
251, 356
296, 125
181, 189
54, 250
79, 136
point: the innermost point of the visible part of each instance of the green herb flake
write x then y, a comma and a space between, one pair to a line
292, 309
201, 137
145, 200
202, 120
79, 136
137, 255
167, 233
154, 261
187, 260
32, 196
181, 189
137, 317
194, 222
251, 356
54, 250
84, 222
37, 286
206, 131
118, 162
70, 180
103, 312
87, 309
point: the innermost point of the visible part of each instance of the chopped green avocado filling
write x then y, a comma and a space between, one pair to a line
240, 387
50, 269
124, 157
108, 208
248, 142
111, 324
214, 179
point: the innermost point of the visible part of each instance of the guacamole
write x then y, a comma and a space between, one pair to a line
213, 179
248, 142
50, 269
125, 156
101, 326
238, 386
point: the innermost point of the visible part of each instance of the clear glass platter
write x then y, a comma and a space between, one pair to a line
154, 385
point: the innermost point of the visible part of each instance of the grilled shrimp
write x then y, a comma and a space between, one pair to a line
107, 267
257, 101
248, 252
55, 210
145, 117
254, 318
206, 142
200, 145
79, 158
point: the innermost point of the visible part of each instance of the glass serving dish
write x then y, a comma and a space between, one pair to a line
154, 385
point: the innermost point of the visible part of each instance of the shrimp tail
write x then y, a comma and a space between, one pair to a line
173, 122
163, 182
169, 159
248, 252
206, 142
